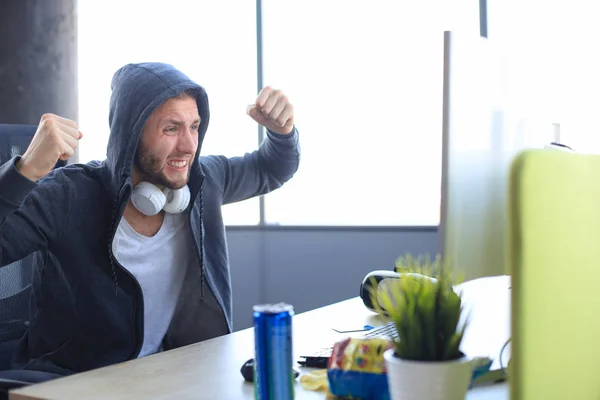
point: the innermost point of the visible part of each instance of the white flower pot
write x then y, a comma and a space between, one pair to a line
427, 380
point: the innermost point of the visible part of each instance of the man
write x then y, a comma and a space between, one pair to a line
117, 279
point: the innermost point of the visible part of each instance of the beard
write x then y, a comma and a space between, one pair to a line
151, 169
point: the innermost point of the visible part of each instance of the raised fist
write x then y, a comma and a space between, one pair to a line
56, 138
273, 110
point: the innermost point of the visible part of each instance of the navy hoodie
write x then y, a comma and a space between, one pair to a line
86, 309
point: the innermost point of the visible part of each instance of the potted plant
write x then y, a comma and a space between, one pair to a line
426, 361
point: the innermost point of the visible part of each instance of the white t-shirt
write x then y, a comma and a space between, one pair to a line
159, 263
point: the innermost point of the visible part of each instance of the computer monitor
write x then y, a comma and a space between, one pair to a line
482, 131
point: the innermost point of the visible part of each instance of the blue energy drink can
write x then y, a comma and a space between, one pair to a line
273, 359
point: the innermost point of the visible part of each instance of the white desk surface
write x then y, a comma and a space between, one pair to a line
211, 369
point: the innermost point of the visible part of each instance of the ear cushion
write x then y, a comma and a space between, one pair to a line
177, 200
148, 199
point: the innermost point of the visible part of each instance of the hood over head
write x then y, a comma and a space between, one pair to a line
137, 90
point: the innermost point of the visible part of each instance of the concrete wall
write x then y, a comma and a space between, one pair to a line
38, 60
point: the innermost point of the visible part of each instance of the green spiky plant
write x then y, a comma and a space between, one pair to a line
425, 311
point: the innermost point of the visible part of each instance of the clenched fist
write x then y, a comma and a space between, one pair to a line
56, 138
273, 110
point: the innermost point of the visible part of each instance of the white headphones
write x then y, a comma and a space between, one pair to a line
150, 200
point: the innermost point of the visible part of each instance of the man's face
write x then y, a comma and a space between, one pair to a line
168, 143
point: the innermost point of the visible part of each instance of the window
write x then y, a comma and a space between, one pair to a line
573, 82
205, 39
366, 82
551, 64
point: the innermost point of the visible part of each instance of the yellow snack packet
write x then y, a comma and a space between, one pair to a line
315, 380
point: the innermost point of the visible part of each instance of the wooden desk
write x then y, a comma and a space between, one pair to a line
211, 370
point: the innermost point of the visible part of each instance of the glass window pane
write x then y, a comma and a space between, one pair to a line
366, 83
552, 69
205, 39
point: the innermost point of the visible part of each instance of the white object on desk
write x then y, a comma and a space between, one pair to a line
487, 305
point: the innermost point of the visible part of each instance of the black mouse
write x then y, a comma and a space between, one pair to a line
247, 371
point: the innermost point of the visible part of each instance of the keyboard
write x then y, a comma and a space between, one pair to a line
388, 330
320, 357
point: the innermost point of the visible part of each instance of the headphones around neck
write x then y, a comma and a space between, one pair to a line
150, 200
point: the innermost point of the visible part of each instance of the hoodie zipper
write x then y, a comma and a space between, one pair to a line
199, 249
113, 260
200, 255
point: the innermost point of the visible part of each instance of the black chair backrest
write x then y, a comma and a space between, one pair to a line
15, 278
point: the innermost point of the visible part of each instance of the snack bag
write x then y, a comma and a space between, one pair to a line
356, 369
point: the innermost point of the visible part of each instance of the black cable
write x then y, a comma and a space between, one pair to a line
502, 352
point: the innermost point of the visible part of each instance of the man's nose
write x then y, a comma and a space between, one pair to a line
188, 141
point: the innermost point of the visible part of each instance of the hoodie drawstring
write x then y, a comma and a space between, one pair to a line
202, 274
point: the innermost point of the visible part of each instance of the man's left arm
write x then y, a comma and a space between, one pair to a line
276, 160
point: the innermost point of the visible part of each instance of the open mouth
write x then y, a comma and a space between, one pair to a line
177, 164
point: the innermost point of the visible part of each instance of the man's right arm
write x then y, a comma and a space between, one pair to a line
30, 211
14, 188
24, 224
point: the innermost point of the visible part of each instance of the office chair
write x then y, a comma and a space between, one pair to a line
15, 282
554, 251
